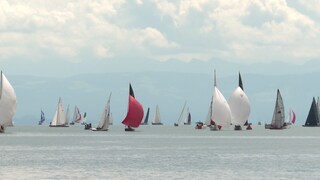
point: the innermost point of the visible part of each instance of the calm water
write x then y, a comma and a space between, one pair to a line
159, 152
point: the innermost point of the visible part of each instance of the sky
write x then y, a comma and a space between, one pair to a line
39, 36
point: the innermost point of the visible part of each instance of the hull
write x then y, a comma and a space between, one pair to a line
128, 129
157, 124
98, 129
87, 126
58, 126
237, 128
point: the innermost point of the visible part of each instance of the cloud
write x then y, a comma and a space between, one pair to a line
248, 31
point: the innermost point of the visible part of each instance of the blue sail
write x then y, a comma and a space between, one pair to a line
42, 119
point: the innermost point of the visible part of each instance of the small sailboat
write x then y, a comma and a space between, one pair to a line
105, 117
291, 118
221, 113
188, 118
181, 115
157, 119
145, 122
84, 121
8, 103
278, 114
42, 118
313, 116
239, 106
77, 117
59, 119
135, 112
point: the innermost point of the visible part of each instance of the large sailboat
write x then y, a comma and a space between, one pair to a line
105, 118
42, 118
145, 122
8, 103
313, 116
59, 119
239, 106
135, 112
157, 119
221, 113
278, 114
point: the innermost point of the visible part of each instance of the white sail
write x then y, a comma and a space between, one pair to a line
209, 115
157, 119
67, 115
221, 113
239, 106
278, 114
105, 116
8, 102
181, 114
186, 119
59, 118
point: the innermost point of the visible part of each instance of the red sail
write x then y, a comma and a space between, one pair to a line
135, 113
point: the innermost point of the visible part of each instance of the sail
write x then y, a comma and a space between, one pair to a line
110, 119
293, 117
8, 102
240, 82
59, 117
313, 118
84, 121
147, 117
67, 116
181, 114
278, 114
157, 118
221, 113
42, 118
135, 111
209, 115
76, 115
239, 106
188, 117
105, 116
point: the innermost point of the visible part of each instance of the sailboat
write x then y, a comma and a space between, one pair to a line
313, 116
188, 118
239, 106
59, 119
135, 112
8, 103
105, 118
84, 121
181, 115
145, 122
221, 113
291, 118
157, 119
42, 118
278, 114
77, 117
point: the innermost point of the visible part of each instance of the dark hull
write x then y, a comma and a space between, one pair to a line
58, 126
237, 128
128, 129
157, 124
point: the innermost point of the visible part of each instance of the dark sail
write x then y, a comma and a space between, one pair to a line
240, 82
145, 122
131, 91
313, 118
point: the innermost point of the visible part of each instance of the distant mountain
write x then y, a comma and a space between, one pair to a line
169, 90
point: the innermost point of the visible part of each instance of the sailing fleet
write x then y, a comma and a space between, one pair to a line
221, 115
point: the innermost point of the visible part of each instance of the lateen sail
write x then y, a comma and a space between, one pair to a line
8, 102
135, 111
240, 107
221, 113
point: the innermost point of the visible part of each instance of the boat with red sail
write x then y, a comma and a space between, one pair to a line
135, 112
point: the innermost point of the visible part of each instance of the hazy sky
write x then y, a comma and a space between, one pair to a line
85, 35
